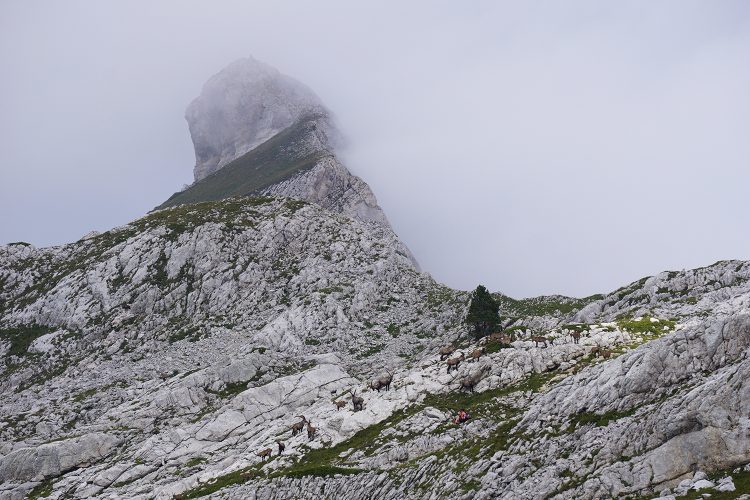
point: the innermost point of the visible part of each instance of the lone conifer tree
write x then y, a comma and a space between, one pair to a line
483, 315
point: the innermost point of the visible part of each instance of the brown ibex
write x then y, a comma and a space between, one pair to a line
606, 353
501, 338
538, 339
358, 402
446, 351
576, 336
310, 431
454, 362
477, 353
496, 337
297, 427
382, 382
282, 446
263, 454
470, 381
339, 404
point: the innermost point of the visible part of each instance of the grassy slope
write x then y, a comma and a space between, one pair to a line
275, 160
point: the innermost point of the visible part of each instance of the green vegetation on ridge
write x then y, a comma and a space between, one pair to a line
277, 159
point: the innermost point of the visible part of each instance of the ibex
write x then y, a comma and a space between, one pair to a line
453, 362
576, 336
496, 337
297, 428
606, 353
357, 402
470, 381
501, 338
263, 454
310, 431
339, 404
446, 351
382, 382
282, 446
477, 353
538, 339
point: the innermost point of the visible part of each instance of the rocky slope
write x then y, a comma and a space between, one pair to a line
168, 357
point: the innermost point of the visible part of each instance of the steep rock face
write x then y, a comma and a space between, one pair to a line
242, 106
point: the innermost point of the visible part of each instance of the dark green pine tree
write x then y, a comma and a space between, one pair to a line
483, 316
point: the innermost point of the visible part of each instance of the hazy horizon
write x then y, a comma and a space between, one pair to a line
533, 148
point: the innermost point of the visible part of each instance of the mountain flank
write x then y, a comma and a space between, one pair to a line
266, 334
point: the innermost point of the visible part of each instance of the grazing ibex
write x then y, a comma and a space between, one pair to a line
576, 336
470, 381
358, 402
453, 362
477, 353
339, 404
310, 431
263, 454
446, 351
501, 338
538, 339
297, 428
606, 353
282, 446
595, 351
382, 382
496, 337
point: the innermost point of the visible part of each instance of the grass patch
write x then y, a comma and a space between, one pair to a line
494, 346
21, 337
231, 389
195, 461
598, 419
42, 490
233, 478
277, 159
316, 470
646, 325
83, 395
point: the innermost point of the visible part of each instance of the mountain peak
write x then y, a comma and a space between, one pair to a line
242, 106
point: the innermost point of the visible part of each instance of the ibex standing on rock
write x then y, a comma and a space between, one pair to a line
454, 362
470, 381
358, 402
339, 404
297, 428
538, 339
263, 454
311, 431
282, 446
382, 382
477, 353
446, 351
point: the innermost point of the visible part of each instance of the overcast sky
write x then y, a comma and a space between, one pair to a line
534, 147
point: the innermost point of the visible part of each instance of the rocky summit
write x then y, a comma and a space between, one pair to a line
265, 334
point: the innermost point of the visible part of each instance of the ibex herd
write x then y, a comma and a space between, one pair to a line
468, 382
